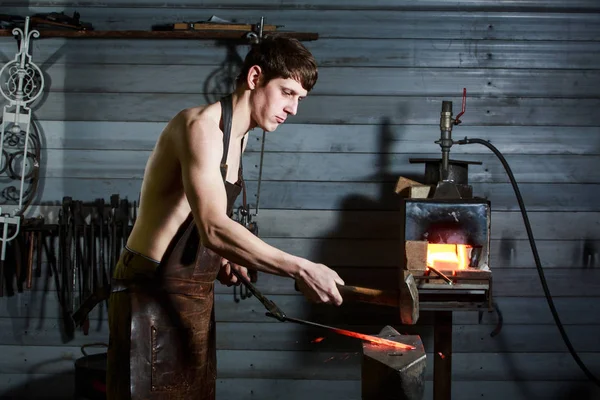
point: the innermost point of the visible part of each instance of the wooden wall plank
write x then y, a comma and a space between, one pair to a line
413, 139
515, 310
454, 24
106, 135
258, 364
375, 225
55, 386
336, 110
386, 224
333, 366
38, 311
519, 282
120, 164
466, 339
52, 190
504, 253
422, 81
381, 196
376, 167
466, 53
522, 282
350, 390
275, 336
338, 195
409, 139
332, 167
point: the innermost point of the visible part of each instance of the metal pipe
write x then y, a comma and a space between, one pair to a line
445, 141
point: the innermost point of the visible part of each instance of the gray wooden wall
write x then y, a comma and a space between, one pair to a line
532, 72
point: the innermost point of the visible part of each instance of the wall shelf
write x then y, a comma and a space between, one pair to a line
198, 35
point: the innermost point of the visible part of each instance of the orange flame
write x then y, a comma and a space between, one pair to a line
318, 340
375, 339
448, 256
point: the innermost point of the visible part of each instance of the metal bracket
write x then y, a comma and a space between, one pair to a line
256, 37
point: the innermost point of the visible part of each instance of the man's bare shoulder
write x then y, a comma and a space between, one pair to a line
203, 120
196, 130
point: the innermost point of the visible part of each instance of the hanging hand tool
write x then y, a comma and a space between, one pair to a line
275, 312
29, 275
101, 243
112, 234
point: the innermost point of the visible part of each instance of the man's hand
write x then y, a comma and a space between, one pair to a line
319, 284
226, 277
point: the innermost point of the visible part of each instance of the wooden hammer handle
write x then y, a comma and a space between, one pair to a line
354, 294
368, 295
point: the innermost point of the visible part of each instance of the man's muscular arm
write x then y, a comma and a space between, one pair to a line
199, 150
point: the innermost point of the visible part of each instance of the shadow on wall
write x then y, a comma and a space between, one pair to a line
222, 80
363, 248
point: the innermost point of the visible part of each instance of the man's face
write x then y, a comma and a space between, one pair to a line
275, 101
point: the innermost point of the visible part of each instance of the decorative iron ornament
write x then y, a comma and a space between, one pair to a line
21, 83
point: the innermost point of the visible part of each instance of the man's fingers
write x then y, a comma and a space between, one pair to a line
337, 297
242, 271
253, 275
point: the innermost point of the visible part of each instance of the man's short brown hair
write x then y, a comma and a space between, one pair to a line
279, 56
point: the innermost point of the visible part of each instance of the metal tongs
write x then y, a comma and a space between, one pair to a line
271, 307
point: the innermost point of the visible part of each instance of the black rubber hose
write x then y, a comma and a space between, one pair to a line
536, 256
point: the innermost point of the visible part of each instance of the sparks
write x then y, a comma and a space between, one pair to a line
317, 340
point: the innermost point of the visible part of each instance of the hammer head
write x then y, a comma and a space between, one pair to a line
409, 299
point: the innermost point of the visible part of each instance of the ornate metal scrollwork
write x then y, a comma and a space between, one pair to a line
21, 83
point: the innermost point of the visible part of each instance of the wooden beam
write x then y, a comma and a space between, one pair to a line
179, 34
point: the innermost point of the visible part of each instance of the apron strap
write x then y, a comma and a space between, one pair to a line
226, 116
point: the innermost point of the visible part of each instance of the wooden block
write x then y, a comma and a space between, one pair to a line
412, 189
404, 184
416, 255
419, 192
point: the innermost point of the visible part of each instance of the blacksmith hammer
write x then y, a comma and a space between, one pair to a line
406, 298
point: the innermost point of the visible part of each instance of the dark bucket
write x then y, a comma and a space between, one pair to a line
90, 375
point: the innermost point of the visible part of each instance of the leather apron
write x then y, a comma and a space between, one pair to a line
161, 315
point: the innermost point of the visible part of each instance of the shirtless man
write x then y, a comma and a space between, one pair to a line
161, 313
